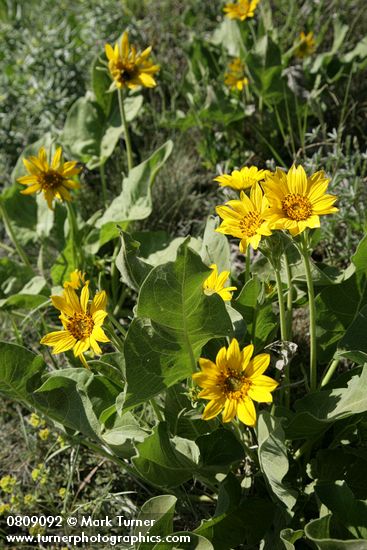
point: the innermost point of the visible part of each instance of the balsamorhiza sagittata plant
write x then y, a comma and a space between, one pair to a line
245, 218
235, 77
234, 382
128, 68
53, 179
82, 322
306, 45
297, 201
242, 9
241, 179
215, 284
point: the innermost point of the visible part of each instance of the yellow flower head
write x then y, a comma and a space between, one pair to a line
241, 10
306, 46
235, 77
44, 434
28, 499
4, 508
53, 179
245, 219
233, 382
214, 284
77, 279
7, 483
81, 320
35, 421
128, 68
242, 179
296, 201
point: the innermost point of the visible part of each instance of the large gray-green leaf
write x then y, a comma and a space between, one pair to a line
273, 459
318, 531
20, 372
245, 524
289, 537
159, 509
163, 350
318, 410
215, 246
160, 463
135, 200
91, 137
346, 509
132, 268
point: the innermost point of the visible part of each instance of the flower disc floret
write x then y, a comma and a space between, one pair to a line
234, 382
297, 201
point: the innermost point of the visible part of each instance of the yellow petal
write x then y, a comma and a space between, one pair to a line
99, 334
230, 410
99, 316
56, 159
81, 346
246, 411
84, 297
99, 301
213, 408
60, 303
258, 365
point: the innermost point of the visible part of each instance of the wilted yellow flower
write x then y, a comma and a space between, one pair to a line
7, 483
82, 322
44, 434
233, 382
77, 279
241, 179
242, 9
235, 77
306, 46
53, 179
215, 284
245, 219
296, 201
128, 68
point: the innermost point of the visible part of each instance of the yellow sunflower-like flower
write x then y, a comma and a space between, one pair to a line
53, 179
82, 322
306, 46
128, 68
242, 179
77, 279
235, 77
296, 201
215, 284
242, 9
233, 382
245, 218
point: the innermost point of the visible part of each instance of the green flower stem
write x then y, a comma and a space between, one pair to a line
283, 331
312, 308
126, 131
248, 265
282, 315
73, 233
103, 181
289, 298
329, 374
12, 236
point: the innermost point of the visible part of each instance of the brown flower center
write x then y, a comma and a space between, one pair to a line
50, 179
80, 325
249, 224
234, 384
124, 71
297, 207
